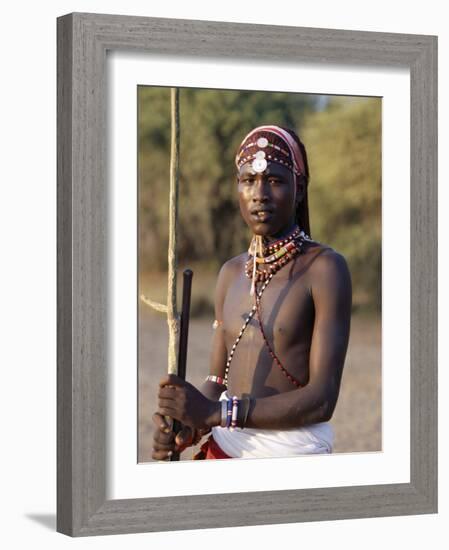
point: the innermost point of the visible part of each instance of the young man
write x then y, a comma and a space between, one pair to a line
282, 324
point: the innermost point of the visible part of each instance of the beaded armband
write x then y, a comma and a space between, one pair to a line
216, 379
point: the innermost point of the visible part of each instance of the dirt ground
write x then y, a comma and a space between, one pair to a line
357, 417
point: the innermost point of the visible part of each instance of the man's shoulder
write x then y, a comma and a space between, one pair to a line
235, 264
328, 265
230, 270
325, 256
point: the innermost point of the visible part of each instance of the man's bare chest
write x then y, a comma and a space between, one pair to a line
286, 310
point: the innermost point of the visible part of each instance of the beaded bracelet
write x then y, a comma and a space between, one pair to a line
228, 413
244, 406
235, 409
234, 412
224, 413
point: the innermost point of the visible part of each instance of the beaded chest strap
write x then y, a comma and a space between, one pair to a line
280, 253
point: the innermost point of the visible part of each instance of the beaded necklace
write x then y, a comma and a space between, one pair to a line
280, 253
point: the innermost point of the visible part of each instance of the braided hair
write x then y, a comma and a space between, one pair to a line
302, 210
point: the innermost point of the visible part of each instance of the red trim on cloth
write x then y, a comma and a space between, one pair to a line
210, 450
214, 451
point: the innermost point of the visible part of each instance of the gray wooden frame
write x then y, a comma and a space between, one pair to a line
83, 40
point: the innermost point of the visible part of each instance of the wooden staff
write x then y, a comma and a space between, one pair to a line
171, 307
183, 340
172, 310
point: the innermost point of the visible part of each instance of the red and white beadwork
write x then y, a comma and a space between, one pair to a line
216, 379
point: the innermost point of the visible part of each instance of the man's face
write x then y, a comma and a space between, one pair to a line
267, 200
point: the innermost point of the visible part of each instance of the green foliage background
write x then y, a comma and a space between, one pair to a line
342, 136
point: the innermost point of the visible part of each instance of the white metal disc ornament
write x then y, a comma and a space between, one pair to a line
259, 165
262, 142
260, 155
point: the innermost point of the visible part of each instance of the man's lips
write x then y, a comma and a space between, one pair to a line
256, 211
262, 214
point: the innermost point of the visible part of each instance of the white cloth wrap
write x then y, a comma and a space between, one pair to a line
251, 443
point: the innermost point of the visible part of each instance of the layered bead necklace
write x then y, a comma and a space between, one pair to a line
279, 253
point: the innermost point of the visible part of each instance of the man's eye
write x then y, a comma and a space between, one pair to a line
274, 181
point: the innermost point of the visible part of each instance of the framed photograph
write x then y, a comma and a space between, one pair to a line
343, 209
114, 76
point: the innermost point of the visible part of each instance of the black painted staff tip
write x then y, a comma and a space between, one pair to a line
183, 339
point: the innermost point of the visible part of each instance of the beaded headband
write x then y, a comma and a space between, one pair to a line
270, 144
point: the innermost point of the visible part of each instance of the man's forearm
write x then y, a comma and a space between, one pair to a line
293, 409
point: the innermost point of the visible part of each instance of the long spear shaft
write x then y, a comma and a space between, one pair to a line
172, 310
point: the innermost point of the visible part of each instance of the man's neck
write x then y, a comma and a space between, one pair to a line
283, 233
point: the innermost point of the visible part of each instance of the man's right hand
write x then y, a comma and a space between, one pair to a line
164, 441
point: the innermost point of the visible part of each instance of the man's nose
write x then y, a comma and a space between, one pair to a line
260, 191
